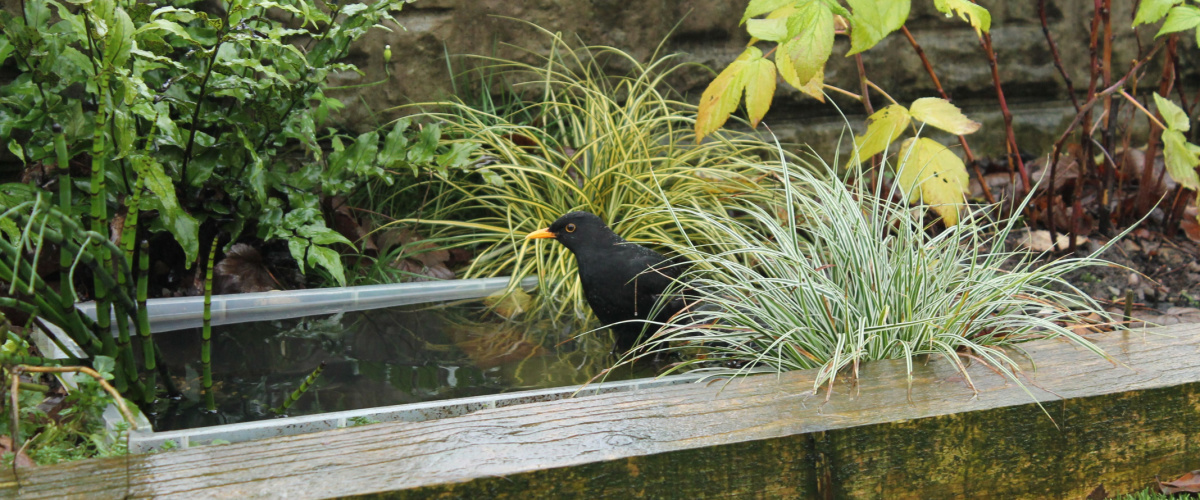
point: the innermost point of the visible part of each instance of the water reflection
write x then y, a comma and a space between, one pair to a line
374, 358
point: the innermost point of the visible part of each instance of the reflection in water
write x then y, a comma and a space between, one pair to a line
374, 358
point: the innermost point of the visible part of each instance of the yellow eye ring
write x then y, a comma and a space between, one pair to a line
570, 228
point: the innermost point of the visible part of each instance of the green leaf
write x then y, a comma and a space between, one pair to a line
933, 174
979, 17
1150, 11
181, 225
395, 145
1181, 159
873, 20
167, 26
760, 89
119, 40
104, 365
940, 113
457, 156
774, 30
1173, 116
760, 7
15, 148
1182, 17
808, 51
156, 180
721, 97
883, 127
423, 151
329, 259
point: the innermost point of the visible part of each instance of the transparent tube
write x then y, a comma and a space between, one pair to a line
187, 312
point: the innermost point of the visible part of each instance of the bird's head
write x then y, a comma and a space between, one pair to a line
578, 230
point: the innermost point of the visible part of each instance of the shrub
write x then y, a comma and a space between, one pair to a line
217, 110
858, 277
621, 147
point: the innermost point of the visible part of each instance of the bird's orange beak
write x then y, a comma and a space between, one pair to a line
539, 234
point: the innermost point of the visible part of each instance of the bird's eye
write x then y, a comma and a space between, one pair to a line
570, 228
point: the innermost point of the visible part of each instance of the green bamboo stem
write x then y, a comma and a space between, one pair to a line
86, 257
124, 342
47, 300
17, 359
143, 319
206, 331
65, 259
99, 213
295, 395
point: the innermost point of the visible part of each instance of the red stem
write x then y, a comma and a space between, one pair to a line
987, 191
1147, 188
1014, 152
1085, 139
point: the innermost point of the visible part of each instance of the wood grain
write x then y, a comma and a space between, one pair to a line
1119, 422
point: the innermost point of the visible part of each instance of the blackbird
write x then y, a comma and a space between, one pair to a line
622, 281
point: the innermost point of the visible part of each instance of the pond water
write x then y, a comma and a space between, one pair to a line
374, 358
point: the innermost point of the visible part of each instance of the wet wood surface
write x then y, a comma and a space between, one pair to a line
1119, 422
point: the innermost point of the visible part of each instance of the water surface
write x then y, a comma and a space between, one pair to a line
374, 358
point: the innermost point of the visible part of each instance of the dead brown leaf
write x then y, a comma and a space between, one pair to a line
22, 460
1039, 240
1191, 228
242, 271
1187, 483
1098, 494
416, 256
349, 225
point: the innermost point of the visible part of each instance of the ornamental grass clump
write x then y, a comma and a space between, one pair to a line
841, 274
622, 147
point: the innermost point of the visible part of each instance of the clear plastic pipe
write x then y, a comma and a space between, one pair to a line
179, 313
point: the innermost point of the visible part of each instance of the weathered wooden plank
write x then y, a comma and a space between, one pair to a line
1120, 424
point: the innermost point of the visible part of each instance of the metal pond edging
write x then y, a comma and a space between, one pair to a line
187, 312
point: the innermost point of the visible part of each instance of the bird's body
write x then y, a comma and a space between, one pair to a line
622, 281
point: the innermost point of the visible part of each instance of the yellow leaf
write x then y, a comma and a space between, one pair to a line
760, 88
1181, 159
941, 114
767, 29
978, 16
787, 71
931, 173
722, 95
883, 127
811, 30
509, 305
814, 88
760, 7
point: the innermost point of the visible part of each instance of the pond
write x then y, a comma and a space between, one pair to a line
373, 358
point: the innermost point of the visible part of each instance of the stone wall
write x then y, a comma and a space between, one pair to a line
708, 33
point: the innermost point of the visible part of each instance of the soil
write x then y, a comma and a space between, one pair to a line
1162, 273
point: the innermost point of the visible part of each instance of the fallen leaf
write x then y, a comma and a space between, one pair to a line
1191, 228
1039, 240
349, 225
22, 460
1098, 494
242, 270
416, 256
1187, 483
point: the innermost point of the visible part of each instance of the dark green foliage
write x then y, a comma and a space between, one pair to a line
221, 115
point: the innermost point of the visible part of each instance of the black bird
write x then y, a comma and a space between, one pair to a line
622, 281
